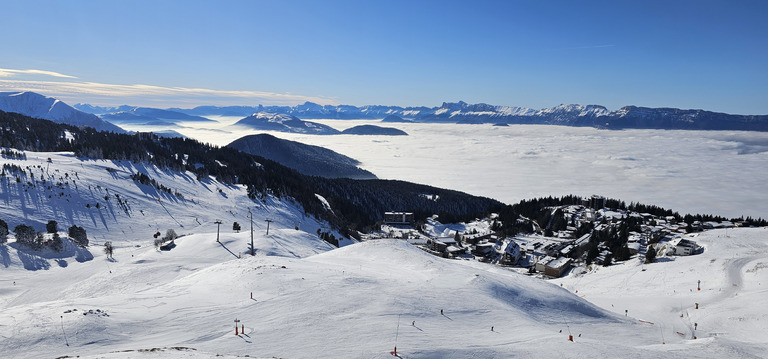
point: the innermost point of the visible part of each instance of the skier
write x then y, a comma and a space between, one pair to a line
441, 312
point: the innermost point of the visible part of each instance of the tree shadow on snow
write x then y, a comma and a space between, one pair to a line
83, 255
32, 261
37, 260
5, 257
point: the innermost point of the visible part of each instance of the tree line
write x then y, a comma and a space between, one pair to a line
27, 236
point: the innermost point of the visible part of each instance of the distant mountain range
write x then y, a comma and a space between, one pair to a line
306, 159
48, 108
628, 117
564, 115
140, 115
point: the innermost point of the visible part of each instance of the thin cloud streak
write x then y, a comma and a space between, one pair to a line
112, 94
13, 72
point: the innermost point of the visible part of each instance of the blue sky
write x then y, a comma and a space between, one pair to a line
688, 54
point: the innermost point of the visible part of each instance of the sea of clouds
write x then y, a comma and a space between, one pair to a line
714, 172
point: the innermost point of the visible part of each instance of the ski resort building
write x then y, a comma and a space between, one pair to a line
557, 267
398, 217
441, 244
595, 202
541, 264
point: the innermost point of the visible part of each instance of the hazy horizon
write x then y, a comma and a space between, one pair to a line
682, 54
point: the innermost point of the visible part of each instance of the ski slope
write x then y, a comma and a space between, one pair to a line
297, 297
67, 189
730, 319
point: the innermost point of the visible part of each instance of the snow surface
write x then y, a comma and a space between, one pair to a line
358, 301
74, 186
731, 270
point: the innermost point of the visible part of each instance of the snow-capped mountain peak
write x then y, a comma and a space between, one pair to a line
36, 105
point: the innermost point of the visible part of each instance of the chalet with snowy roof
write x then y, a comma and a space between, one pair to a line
583, 241
568, 250
441, 244
512, 253
476, 237
483, 248
685, 247
541, 264
454, 251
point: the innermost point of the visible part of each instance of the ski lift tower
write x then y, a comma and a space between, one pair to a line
268, 222
218, 225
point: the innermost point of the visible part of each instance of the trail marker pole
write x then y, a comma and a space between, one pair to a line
236, 321
250, 214
397, 333
570, 335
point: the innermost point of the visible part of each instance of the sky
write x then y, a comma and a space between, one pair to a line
700, 54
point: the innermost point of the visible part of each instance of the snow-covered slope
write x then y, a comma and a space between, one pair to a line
729, 320
101, 196
49, 108
344, 303
297, 298
266, 121
356, 302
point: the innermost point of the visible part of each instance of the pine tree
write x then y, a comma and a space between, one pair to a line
56, 243
592, 252
78, 235
108, 249
608, 260
24, 235
3, 231
650, 255
52, 226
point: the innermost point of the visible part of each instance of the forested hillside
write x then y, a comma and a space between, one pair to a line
355, 205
